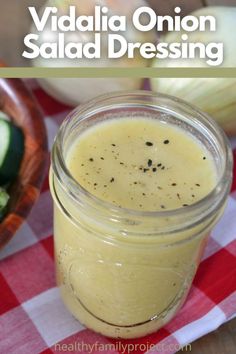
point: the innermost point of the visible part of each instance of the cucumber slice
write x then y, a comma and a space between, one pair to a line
4, 197
3, 115
11, 151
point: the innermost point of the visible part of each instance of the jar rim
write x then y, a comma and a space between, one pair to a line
209, 202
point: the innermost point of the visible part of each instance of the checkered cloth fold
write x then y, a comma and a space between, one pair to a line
33, 318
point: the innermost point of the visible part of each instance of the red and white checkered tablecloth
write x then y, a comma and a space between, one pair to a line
33, 318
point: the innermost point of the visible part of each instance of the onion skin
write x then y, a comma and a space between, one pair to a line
215, 96
77, 90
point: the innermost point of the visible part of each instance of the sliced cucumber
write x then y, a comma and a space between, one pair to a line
4, 197
11, 151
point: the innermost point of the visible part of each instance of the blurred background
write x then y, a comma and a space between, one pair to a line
15, 22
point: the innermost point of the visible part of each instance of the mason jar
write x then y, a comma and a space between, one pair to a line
125, 273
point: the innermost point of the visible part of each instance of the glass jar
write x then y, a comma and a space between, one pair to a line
126, 273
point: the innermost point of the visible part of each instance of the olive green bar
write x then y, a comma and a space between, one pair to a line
39, 72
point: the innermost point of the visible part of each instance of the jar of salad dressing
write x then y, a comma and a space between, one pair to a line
138, 182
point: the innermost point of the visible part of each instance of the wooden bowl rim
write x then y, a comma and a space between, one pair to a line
16, 99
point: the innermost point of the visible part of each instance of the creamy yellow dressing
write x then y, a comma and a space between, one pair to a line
142, 164
128, 285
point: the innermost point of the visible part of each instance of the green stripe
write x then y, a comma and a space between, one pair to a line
39, 72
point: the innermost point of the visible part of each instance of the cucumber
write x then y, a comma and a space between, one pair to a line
11, 151
4, 197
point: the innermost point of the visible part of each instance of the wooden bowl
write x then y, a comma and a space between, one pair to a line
21, 106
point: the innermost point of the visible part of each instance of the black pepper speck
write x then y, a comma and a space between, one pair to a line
149, 162
166, 141
148, 143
